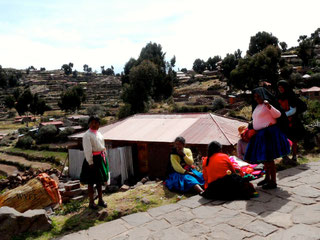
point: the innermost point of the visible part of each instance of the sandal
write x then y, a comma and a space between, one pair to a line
102, 204
263, 182
270, 185
93, 206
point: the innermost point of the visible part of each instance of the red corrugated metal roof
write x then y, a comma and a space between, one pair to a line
197, 128
312, 89
52, 123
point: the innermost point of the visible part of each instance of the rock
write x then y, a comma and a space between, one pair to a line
145, 201
73, 193
71, 186
144, 180
124, 188
102, 215
112, 189
13, 223
78, 198
150, 182
138, 184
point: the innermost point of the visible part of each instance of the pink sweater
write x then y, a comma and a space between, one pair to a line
263, 117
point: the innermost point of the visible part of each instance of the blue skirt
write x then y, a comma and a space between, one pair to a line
184, 182
268, 144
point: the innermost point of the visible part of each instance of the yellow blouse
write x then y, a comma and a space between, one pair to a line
175, 160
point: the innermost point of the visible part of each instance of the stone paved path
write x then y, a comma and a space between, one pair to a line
290, 212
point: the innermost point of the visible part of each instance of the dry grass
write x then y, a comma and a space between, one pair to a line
119, 204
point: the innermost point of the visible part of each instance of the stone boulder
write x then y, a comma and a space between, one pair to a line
13, 222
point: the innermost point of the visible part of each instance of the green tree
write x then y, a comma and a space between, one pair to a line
305, 49
9, 101
184, 70
71, 99
23, 102
316, 36
262, 66
67, 68
126, 70
260, 41
283, 46
199, 65
138, 93
228, 64
3, 78
212, 62
38, 105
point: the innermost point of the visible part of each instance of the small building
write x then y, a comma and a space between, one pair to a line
151, 137
24, 119
292, 59
312, 93
58, 124
78, 118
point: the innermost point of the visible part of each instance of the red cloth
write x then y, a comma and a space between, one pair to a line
102, 153
217, 168
51, 187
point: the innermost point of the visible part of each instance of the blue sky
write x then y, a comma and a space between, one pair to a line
49, 33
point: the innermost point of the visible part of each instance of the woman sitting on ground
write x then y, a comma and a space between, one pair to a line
181, 174
221, 180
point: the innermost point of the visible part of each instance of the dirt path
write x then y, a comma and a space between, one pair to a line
23, 161
8, 170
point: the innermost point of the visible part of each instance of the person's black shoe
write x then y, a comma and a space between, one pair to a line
286, 160
93, 206
263, 182
102, 204
270, 185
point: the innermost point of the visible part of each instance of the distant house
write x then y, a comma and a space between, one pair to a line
24, 118
292, 59
77, 118
58, 124
312, 93
151, 137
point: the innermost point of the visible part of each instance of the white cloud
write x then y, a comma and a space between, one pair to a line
110, 32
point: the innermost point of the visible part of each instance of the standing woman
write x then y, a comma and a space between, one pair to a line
95, 166
288, 102
269, 142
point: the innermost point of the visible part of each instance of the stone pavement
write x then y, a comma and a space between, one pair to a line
290, 212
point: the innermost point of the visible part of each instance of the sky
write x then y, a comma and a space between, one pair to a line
50, 33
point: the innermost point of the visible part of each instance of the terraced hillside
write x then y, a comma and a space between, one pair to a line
100, 89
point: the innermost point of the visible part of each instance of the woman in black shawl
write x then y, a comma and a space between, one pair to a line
288, 102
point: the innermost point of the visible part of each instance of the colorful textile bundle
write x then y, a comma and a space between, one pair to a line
245, 169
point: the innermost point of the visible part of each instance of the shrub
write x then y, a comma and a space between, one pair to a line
47, 134
23, 130
25, 142
186, 109
125, 111
218, 103
96, 110
313, 112
63, 135
84, 123
11, 114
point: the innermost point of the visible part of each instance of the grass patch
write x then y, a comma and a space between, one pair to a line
9, 125
34, 155
20, 166
73, 217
